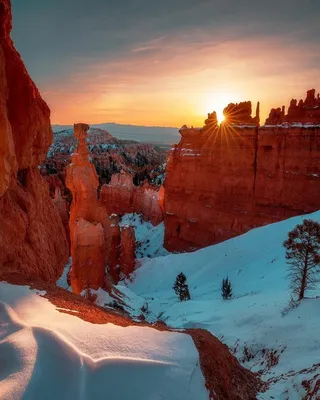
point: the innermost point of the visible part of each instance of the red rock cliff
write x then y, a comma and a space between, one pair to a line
224, 180
32, 238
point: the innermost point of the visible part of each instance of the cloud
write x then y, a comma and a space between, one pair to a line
139, 59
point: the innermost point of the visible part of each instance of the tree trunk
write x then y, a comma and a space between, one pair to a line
304, 278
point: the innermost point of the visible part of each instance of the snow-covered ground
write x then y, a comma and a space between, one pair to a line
45, 354
254, 323
150, 238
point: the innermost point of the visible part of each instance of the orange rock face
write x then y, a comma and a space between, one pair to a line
303, 112
89, 223
113, 245
224, 180
88, 256
128, 247
63, 210
97, 243
32, 238
121, 196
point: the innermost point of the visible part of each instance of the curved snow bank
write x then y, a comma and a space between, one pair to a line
252, 323
47, 354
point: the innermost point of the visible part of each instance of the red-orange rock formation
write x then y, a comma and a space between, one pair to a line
32, 238
127, 253
63, 209
89, 223
113, 245
302, 112
121, 196
224, 180
117, 196
97, 243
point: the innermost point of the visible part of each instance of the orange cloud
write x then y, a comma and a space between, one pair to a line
174, 81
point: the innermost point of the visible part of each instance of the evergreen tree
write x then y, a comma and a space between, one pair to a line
226, 289
181, 287
303, 256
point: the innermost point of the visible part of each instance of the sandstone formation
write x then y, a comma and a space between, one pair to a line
224, 180
113, 246
127, 253
97, 244
63, 210
32, 239
302, 112
89, 223
121, 196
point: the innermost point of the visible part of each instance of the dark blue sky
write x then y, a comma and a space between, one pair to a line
113, 59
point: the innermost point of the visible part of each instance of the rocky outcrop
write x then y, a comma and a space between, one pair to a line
121, 196
63, 209
89, 223
97, 243
32, 238
128, 251
224, 180
113, 245
117, 196
303, 112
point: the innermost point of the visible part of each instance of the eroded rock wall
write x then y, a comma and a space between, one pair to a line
121, 196
32, 239
224, 180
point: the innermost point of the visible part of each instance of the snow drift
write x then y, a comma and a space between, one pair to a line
48, 354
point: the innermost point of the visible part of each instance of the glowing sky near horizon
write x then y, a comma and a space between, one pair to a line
167, 63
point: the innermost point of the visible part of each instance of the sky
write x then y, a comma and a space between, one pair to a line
168, 62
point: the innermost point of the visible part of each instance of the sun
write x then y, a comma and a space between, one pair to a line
220, 116
217, 101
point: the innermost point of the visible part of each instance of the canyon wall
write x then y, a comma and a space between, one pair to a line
32, 238
224, 180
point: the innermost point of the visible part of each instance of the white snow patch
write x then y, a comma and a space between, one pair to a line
255, 263
50, 355
150, 238
63, 280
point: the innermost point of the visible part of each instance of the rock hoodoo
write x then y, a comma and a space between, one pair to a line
97, 243
32, 239
128, 248
302, 112
224, 180
89, 223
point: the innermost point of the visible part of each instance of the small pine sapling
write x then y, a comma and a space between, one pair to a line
181, 287
226, 289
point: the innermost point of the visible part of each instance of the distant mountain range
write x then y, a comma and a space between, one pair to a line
157, 135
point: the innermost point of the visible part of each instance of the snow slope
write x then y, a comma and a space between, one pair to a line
150, 238
252, 324
45, 354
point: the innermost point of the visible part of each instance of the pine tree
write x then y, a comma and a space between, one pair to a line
303, 256
181, 287
226, 289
